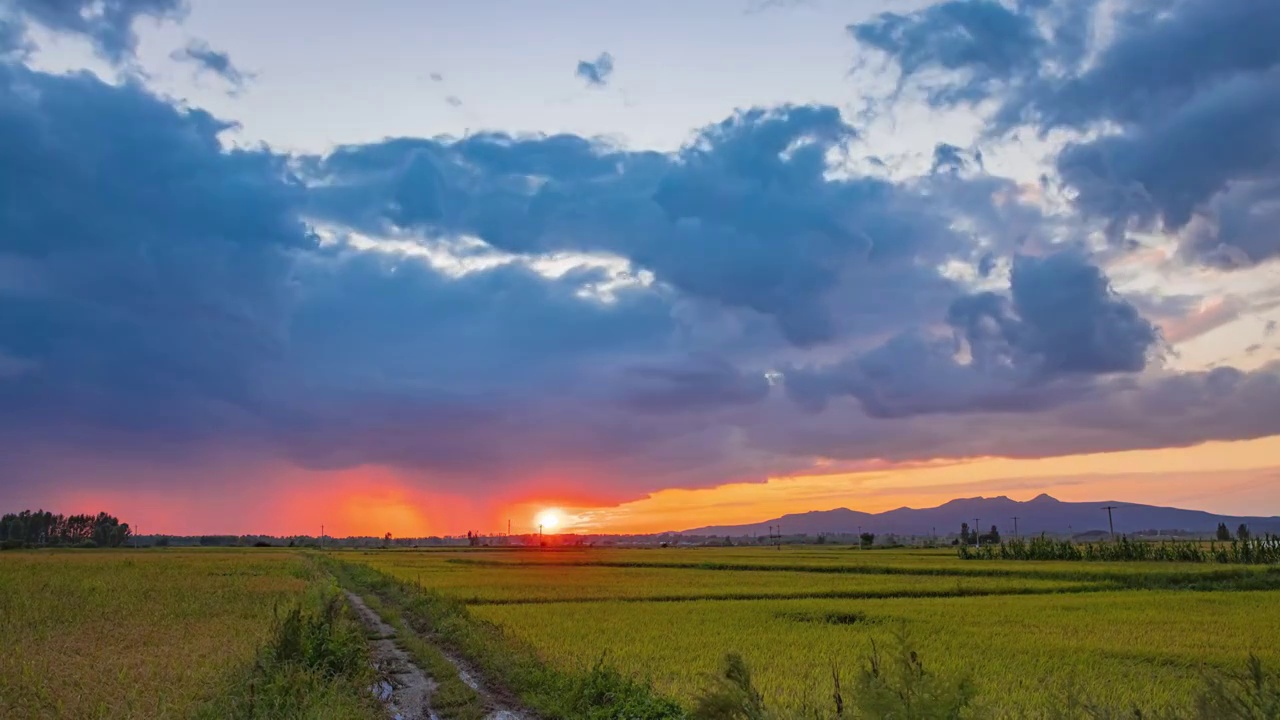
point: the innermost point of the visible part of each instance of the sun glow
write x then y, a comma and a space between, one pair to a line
549, 519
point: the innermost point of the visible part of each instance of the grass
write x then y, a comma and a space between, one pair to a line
315, 665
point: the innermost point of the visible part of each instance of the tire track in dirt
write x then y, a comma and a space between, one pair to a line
402, 687
406, 689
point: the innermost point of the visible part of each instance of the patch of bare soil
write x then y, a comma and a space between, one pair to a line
406, 690
402, 686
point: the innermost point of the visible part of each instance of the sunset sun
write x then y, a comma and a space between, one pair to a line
549, 519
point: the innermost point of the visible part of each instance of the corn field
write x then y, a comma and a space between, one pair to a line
1247, 551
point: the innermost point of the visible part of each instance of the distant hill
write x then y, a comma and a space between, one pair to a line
1040, 514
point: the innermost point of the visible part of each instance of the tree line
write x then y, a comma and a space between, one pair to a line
41, 528
1242, 532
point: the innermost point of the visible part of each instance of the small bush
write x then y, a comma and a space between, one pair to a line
901, 688
732, 695
898, 688
315, 665
1253, 695
604, 693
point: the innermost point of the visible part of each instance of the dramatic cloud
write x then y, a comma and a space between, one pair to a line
108, 24
596, 72
137, 302
207, 59
746, 215
1177, 106
1037, 347
992, 44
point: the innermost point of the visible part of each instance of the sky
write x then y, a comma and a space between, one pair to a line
424, 268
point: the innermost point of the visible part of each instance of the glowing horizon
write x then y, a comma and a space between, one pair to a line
371, 501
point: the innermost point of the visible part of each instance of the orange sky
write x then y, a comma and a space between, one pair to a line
1237, 477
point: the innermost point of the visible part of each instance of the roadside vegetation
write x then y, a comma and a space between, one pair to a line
315, 665
596, 692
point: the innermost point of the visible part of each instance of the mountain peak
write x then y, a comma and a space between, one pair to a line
1043, 513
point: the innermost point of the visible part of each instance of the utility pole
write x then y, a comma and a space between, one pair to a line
1111, 522
322, 537
1015, 527
977, 532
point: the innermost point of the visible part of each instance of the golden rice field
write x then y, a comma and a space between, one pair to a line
89, 634
512, 581
1029, 634
158, 633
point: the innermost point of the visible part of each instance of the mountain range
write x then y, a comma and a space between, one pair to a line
1040, 514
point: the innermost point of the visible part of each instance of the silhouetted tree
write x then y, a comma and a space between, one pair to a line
42, 527
1223, 532
964, 534
1242, 532
867, 538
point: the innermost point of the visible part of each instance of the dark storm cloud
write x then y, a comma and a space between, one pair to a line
745, 215
159, 292
133, 293
596, 72
1186, 93
207, 59
987, 41
692, 383
108, 24
1119, 413
1060, 325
